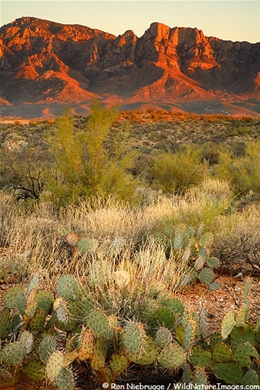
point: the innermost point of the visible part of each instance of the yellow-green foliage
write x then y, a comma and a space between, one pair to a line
242, 172
175, 172
90, 162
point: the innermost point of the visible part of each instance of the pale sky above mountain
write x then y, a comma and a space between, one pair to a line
230, 20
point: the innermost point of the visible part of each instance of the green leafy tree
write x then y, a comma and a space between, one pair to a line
96, 161
177, 171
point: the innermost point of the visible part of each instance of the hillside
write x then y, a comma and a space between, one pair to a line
45, 65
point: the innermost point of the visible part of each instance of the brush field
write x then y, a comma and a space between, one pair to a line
153, 245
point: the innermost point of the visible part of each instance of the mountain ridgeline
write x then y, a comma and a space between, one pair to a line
45, 65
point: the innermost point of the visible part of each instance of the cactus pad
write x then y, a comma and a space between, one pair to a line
229, 372
72, 239
10, 298
214, 286
46, 347
148, 352
241, 316
13, 354
206, 276
5, 322
243, 353
148, 309
34, 370
38, 321
86, 246
172, 356
27, 339
227, 324
213, 262
163, 337
44, 300
65, 379
200, 358
21, 302
165, 317
118, 363
242, 334
250, 379
134, 334
99, 354
87, 342
222, 353
54, 365
174, 304
97, 322
67, 287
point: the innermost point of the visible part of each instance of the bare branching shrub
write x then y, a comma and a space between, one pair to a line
240, 249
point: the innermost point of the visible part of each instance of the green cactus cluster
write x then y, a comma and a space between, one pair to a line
47, 337
192, 249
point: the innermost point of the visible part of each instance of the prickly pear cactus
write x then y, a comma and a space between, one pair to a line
67, 287
10, 298
13, 354
88, 246
134, 334
38, 321
222, 353
163, 337
118, 364
97, 321
99, 354
165, 317
34, 370
174, 304
227, 324
206, 276
65, 379
200, 377
251, 378
5, 322
230, 372
243, 354
200, 358
147, 354
172, 356
46, 347
72, 239
27, 339
86, 344
44, 300
54, 365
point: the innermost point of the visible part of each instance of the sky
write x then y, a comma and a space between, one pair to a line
235, 20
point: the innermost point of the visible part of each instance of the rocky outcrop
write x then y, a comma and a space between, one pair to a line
43, 61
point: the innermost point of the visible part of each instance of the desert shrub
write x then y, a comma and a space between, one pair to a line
240, 249
22, 170
242, 172
176, 172
92, 162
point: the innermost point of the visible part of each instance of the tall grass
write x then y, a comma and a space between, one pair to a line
34, 239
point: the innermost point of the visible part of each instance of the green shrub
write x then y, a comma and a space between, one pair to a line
176, 172
242, 172
95, 161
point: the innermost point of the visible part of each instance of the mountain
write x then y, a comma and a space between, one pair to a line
45, 65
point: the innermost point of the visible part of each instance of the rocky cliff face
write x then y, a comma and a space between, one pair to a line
43, 62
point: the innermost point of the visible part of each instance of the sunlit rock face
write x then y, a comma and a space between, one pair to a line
43, 61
